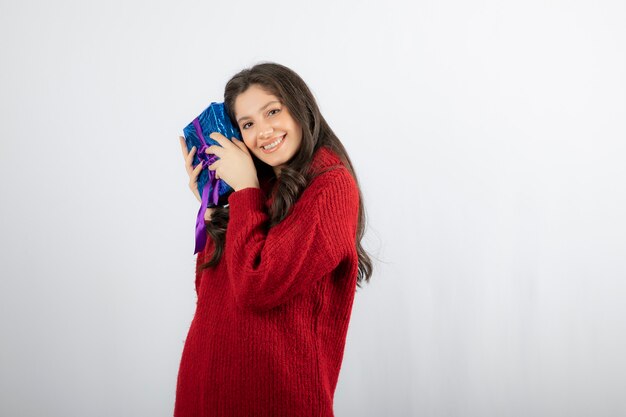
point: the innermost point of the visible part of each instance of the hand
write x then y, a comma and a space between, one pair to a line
191, 170
235, 164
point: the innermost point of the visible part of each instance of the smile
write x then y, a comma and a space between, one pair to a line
274, 145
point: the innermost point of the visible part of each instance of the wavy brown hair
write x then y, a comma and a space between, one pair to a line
296, 174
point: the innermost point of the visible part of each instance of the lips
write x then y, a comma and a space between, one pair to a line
272, 141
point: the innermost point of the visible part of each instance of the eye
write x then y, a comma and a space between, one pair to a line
269, 114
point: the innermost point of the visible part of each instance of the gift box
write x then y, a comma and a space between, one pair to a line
213, 119
214, 192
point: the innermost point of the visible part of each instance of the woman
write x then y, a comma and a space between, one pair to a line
276, 280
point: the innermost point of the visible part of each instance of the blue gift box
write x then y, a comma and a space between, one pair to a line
213, 192
213, 119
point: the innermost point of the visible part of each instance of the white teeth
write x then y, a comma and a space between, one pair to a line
271, 145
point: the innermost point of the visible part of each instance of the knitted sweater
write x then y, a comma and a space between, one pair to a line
269, 330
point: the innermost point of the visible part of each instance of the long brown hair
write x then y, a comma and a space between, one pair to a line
295, 175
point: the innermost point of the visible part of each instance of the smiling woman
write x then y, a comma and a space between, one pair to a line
277, 278
270, 131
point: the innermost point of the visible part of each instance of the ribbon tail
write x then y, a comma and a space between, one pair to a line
210, 192
215, 194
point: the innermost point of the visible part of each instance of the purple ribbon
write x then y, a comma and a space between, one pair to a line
205, 160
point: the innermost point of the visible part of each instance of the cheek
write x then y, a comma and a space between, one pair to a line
248, 145
247, 140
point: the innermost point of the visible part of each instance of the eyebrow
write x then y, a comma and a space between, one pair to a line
260, 110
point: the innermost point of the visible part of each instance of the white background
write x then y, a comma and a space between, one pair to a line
489, 139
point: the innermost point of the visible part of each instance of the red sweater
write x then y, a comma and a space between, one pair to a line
269, 331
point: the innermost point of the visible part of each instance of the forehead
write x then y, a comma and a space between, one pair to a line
250, 101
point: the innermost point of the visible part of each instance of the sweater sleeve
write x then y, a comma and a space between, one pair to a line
269, 267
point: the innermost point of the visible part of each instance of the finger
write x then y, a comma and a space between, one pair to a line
240, 144
221, 139
215, 165
196, 171
189, 159
187, 155
215, 150
183, 146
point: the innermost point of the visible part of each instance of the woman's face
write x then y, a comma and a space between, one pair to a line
263, 120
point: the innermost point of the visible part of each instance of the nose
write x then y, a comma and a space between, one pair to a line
266, 132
